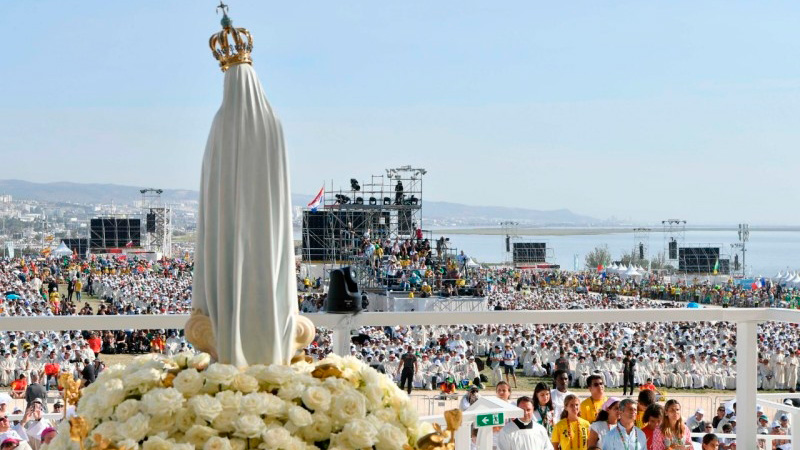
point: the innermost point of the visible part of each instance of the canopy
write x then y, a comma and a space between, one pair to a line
62, 250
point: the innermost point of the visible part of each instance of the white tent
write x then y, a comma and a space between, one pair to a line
62, 250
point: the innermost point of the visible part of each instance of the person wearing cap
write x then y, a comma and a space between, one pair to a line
625, 435
696, 423
779, 444
606, 420
763, 425
48, 434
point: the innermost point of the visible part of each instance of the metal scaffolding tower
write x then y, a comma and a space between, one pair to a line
158, 222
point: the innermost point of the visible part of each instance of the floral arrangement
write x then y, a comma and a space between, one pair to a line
187, 402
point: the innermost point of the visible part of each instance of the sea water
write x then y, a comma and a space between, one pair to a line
768, 252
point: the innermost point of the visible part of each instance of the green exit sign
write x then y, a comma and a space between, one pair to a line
489, 420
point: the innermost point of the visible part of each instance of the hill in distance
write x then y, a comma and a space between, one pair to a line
89, 193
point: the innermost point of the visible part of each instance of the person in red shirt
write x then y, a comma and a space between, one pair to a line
95, 343
18, 387
648, 385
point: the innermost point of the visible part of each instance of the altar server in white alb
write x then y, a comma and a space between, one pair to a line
524, 433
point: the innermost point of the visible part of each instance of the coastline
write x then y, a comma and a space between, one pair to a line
492, 231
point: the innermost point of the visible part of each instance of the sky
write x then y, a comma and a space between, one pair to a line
637, 110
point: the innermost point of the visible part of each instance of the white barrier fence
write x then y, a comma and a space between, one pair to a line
746, 321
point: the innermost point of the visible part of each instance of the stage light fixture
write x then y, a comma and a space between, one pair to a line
413, 200
373, 201
387, 200
359, 200
343, 295
354, 185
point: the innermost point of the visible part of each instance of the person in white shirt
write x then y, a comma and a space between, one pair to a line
561, 380
524, 433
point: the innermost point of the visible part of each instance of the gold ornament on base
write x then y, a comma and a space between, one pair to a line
436, 440
71, 389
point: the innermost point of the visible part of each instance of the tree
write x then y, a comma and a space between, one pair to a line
597, 257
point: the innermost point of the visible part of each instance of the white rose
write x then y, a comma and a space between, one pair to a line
319, 429
374, 395
220, 374
360, 433
200, 361
386, 415
108, 429
291, 391
229, 400
348, 406
217, 443
156, 443
189, 382
184, 419
275, 438
135, 428
182, 359
391, 438
162, 424
408, 417
244, 383
274, 406
299, 416
126, 409
238, 444
112, 391
183, 446
254, 403
142, 380
205, 407
162, 401
275, 374
249, 426
317, 398
197, 435
225, 421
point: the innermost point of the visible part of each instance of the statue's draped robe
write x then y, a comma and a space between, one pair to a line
244, 276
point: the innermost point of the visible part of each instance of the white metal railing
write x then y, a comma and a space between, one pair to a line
746, 320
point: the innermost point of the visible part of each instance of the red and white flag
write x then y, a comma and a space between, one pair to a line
313, 204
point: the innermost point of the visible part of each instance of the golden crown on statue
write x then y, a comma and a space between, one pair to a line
230, 46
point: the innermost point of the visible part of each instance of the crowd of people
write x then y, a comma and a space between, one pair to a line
555, 418
673, 355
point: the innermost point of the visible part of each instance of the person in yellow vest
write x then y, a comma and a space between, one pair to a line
593, 405
572, 431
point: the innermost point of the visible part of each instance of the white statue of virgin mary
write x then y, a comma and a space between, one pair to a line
244, 276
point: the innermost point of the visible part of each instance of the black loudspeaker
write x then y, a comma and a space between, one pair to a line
343, 295
151, 222
673, 250
641, 250
508, 243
